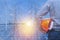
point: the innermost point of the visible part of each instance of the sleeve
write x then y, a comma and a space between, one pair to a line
45, 9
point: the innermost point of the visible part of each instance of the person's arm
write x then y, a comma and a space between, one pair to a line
45, 9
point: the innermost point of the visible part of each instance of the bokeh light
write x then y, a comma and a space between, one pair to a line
27, 27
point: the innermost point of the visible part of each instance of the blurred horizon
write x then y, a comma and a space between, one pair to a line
12, 12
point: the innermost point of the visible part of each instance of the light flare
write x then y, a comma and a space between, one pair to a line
27, 28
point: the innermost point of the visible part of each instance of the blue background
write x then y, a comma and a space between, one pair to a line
9, 9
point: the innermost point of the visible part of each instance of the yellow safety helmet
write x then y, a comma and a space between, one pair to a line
45, 24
